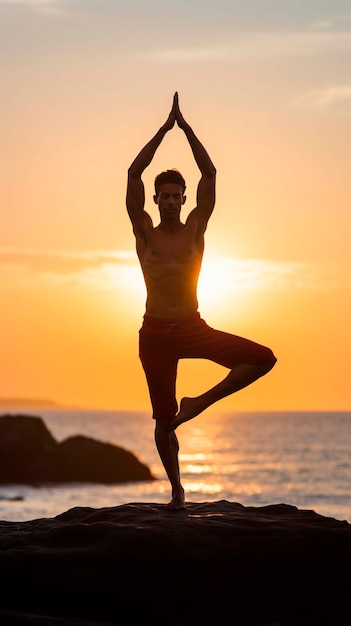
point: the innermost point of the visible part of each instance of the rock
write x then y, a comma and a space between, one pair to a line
214, 564
30, 455
85, 459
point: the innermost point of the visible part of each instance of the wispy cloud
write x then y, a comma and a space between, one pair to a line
97, 269
261, 45
254, 274
326, 98
340, 21
50, 7
119, 270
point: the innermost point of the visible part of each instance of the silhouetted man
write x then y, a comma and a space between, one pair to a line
170, 256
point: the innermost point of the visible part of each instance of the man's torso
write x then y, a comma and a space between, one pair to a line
171, 263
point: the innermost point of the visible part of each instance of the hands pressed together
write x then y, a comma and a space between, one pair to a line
175, 116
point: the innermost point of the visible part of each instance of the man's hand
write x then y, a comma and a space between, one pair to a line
169, 123
179, 117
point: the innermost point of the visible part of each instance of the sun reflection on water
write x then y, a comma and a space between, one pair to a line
197, 456
202, 487
247, 489
198, 469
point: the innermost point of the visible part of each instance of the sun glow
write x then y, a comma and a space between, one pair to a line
126, 277
222, 277
216, 281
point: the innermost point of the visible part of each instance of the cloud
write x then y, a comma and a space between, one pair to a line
97, 269
261, 45
326, 98
234, 275
119, 270
332, 21
50, 7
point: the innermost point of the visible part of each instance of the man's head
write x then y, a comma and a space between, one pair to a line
169, 176
169, 196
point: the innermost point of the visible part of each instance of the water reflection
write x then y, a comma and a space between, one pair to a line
202, 488
301, 459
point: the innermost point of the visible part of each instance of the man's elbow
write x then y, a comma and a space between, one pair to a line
210, 172
133, 172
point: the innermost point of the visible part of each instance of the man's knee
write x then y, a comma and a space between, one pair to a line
163, 432
162, 427
268, 360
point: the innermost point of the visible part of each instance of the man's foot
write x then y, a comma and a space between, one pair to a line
189, 408
178, 501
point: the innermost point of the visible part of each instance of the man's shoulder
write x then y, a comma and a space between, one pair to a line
197, 221
142, 225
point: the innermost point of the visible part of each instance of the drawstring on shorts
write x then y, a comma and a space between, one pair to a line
168, 328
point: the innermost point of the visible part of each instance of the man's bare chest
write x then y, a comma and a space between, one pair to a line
164, 248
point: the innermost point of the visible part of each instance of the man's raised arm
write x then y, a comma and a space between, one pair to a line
206, 190
135, 187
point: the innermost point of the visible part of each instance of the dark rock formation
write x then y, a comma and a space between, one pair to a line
30, 455
215, 564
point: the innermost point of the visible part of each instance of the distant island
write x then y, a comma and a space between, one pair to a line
21, 403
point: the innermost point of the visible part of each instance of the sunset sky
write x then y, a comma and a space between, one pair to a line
266, 86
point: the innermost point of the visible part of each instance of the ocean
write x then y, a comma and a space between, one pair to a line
255, 458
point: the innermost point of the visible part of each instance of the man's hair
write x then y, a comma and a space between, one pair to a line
169, 176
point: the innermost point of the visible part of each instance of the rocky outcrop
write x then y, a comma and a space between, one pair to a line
214, 564
30, 455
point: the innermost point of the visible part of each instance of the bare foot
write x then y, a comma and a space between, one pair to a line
178, 501
189, 408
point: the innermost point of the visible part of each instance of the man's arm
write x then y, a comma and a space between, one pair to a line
206, 190
135, 187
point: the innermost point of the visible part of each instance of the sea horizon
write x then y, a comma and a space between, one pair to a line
44, 403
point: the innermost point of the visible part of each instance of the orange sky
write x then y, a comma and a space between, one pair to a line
268, 93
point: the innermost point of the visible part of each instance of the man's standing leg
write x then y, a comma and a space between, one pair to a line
168, 448
160, 368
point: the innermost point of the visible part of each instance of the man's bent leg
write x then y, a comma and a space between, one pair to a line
246, 360
168, 447
239, 377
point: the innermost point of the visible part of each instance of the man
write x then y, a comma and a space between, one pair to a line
170, 256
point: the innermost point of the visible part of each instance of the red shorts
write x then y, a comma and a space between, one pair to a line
162, 342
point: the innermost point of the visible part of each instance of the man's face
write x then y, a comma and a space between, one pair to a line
170, 200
